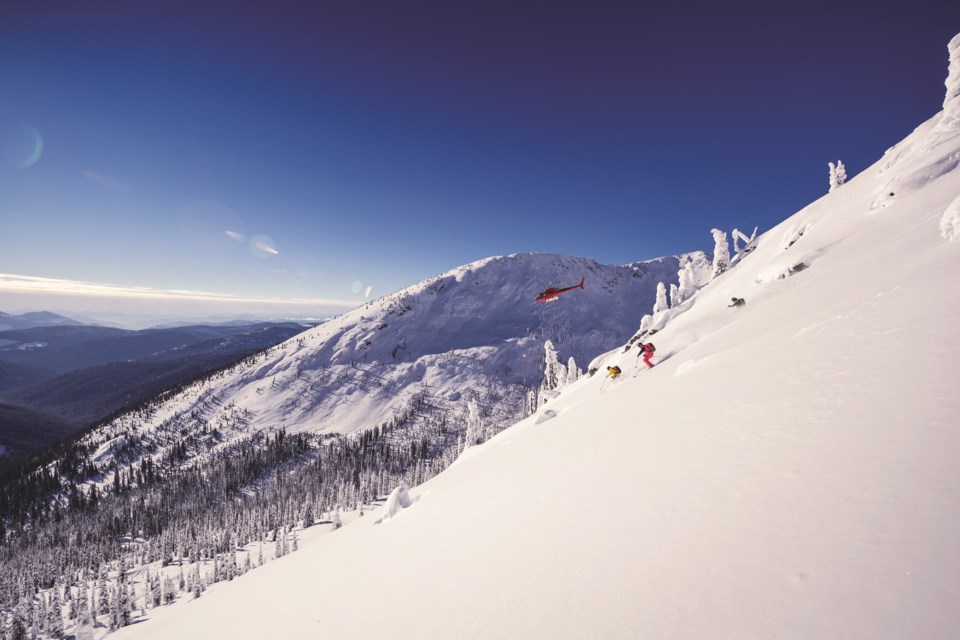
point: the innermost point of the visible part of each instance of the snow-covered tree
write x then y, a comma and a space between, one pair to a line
123, 593
749, 243
82, 604
472, 435
72, 610
103, 603
674, 295
132, 595
40, 616
33, 619
951, 100
116, 617
646, 323
531, 403
554, 373
196, 580
721, 252
687, 285
573, 372
153, 584
17, 629
55, 614
661, 304
838, 175
168, 590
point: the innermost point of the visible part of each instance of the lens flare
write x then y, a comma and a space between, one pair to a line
236, 235
22, 146
356, 286
366, 294
202, 222
263, 246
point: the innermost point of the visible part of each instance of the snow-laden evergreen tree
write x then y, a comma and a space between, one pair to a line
68, 597
127, 601
573, 372
687, 285
134, 600
661, 303
168, 592
335, 520
82, 607
721, 252
55, 614
33, 619
646, 323
472, 435
554, 373
18, 624
531, 404
39, 622
838, 175
674, 295
103, 604
951, 100
115, 616
153, 584
72, 609
197, 582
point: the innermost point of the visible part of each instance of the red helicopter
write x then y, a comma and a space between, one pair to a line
550, 293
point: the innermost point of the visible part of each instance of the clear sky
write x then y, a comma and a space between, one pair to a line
328, 151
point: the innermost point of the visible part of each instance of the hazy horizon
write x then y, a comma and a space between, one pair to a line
138, 308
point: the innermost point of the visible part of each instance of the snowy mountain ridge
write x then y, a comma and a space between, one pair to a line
471, 333
786, 470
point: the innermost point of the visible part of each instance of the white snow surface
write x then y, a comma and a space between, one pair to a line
787, 470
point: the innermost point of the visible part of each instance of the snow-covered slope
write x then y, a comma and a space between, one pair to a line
787, 470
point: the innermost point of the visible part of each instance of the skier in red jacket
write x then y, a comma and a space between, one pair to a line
647, 350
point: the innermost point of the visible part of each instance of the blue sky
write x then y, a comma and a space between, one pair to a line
354, 148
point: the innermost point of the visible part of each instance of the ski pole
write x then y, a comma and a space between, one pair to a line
603, 383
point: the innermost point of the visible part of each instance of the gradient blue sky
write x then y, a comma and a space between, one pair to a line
355, 147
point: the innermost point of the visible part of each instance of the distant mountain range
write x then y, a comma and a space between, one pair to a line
56, 379
34, 319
